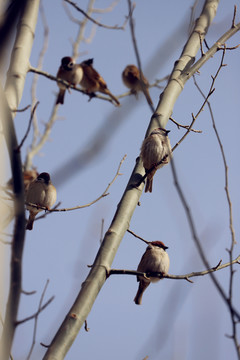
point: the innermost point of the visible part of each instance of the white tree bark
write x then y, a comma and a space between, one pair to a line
10, 100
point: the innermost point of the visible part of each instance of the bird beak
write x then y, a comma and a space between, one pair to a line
168, 131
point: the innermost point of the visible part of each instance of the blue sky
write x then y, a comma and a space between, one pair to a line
177, 320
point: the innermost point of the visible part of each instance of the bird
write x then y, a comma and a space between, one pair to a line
40, 192
92, 81
155, 148
28, 177
131, 78
155, 259
68, 71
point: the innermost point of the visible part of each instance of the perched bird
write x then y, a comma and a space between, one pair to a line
68, 71
92, 81
40, 192
131, 78
155, 147
28, 177
155, 259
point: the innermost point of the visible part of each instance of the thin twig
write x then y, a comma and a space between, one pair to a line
19, 322
28, 292
115, 27
47, 213
28, 128
22, 110
134, 41
233, 242
137, 236
174, 277
36, 76
105, 193
234, 16
184, 126
165, 157
36, 319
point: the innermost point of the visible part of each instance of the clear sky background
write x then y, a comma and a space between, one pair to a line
177, 320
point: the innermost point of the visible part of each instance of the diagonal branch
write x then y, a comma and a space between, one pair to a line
105, 193
134, 40
96, 278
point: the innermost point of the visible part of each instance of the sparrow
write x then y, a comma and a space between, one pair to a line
131, 78
40, 192
155, 147
155, 259
28, 177
92, 81
68, 71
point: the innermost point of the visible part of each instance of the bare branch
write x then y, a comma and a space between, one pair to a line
105, 193
209, 54
137, 236
21, 110
233, 242
28, 292
19, 322
28, 128
39, 66
174, 277
184, 126
165, 157
115, 27
190, 218
131, 22
68, 85
40, 308
234, 16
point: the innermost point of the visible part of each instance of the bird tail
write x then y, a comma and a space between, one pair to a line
60, 98
141, 288
30, 221
148, 186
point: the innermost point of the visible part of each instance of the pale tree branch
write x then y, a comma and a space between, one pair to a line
96, 278
36, 76
42, 140
81, 28
13, 93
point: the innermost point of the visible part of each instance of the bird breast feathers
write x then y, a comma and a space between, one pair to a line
152, 151
155, 260
41, 194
